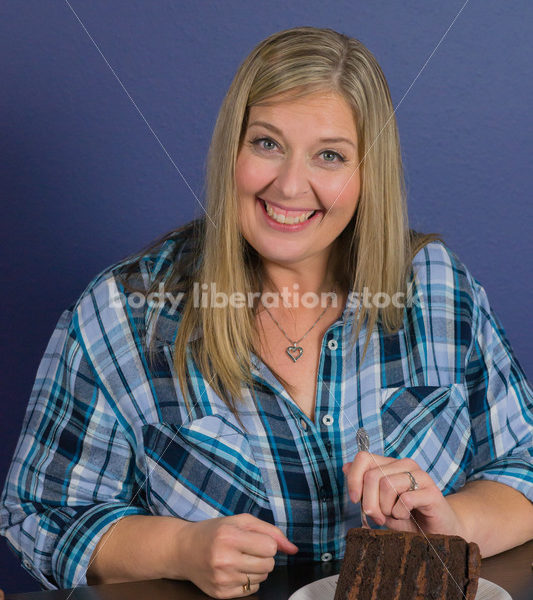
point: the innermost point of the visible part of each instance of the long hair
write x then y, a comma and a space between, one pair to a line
374, 251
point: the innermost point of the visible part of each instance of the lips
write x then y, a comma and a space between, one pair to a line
287, 211
286, 227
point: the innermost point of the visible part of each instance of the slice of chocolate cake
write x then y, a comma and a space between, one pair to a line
392, 565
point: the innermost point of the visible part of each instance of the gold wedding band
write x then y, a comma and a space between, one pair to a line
414, 484
246, 586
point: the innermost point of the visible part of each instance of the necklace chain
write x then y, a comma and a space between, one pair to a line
294, 351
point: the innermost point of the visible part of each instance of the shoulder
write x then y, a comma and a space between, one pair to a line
437, 267
437, 263
442, 285
114, 310
162, 258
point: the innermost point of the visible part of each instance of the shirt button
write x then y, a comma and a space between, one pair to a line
303, 424
327, 420
326, 557
332, 345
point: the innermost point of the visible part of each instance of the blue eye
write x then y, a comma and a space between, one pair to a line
267, 144
336, 155
259, 142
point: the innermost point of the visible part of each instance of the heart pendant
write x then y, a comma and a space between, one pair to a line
295, 352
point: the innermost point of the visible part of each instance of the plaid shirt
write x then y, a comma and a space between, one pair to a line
107, 434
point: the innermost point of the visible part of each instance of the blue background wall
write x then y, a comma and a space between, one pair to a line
84, 182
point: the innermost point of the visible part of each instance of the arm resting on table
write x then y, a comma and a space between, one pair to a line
135, 548
495, 505
494, 515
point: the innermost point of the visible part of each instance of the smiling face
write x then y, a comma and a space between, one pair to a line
297, 156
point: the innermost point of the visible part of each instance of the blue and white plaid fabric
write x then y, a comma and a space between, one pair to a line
107, 434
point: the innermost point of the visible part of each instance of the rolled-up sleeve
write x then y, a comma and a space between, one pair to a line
500, 403
73, 472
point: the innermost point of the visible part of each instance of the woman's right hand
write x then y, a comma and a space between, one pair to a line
217, 555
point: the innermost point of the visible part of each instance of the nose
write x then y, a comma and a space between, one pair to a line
291, 180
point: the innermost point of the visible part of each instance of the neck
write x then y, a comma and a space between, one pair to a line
314, 277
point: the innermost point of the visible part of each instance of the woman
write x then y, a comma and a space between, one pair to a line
186, 425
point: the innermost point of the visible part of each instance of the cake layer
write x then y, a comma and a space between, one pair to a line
382, 564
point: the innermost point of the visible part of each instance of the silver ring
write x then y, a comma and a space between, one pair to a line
246, 586
414, 484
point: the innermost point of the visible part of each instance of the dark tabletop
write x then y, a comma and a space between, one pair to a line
512, 570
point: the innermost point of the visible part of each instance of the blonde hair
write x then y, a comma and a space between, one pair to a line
376, 247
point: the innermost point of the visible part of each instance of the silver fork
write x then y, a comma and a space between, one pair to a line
363, 444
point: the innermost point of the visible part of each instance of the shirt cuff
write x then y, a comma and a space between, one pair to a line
512, 471
72, 554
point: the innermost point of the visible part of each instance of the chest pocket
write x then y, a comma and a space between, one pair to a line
203, 469
431, 425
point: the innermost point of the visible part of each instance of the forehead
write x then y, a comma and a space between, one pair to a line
327, 111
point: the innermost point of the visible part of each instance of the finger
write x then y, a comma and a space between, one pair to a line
372, 482
251, 523
362, 462
241, 591
249, 579
390, 488
256, 565
424, 500
370, 499
401, 524
233, 590
370, 486
255, 578
284, 545
252, 543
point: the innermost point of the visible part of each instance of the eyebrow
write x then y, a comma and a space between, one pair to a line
330, 140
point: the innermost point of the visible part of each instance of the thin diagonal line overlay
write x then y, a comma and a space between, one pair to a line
175, 166
140, 112
394, 111
395, 490
149, 472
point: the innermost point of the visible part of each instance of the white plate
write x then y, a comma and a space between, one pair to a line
324, 589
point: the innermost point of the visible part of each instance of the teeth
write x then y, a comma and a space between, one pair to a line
285, 219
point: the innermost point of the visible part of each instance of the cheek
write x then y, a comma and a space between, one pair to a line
253, 174
342, 195
246, 174
240, 175
246, 189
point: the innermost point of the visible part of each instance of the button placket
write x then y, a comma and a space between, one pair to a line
333, 344
323, 494
328, 420
328, 446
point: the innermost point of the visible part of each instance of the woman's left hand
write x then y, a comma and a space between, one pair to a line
383, 487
